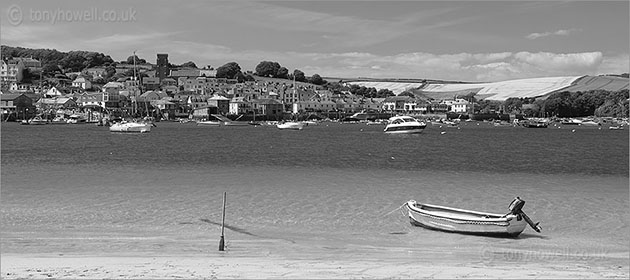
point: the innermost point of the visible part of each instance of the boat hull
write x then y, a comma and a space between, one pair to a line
405, 129
290, 126
130, 127
464, 221
209, 123
236, 123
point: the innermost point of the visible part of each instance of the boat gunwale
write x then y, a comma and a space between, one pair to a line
411, 205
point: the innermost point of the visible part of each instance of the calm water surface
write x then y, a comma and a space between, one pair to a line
331, 189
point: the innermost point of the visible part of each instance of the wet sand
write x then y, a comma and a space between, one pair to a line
16, 266
324, 259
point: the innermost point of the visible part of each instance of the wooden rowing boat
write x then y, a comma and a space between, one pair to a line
471, 222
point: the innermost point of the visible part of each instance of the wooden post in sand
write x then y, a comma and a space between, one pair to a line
222, 241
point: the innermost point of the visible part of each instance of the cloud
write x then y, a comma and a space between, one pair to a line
487, 67
614, 64
561, 32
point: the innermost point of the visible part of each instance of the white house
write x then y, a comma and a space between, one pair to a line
82, 82
53, 91
458, 105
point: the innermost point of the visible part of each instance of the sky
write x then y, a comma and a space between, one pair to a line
483, 41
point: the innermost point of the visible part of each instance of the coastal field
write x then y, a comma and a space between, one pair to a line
611, 83
324, 202
503, 90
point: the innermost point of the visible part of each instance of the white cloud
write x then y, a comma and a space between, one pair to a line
463, 66
561, 32
614, 64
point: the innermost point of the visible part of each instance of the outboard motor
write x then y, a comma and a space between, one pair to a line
516, 208
516, 205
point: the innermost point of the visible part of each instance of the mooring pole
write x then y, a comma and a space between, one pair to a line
222, 241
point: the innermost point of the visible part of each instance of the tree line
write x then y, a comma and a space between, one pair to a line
565, 104
275, 70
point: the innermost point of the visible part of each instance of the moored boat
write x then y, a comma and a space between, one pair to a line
471, 222
209, 123
236, 123
38, 121
536, 124
59, 120
404, 124
131, 127
76, 119
290, 126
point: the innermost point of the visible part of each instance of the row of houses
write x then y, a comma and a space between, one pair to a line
184, 92
161, 104
221, 97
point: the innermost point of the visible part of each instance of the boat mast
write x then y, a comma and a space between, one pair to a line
135, 102
294, 97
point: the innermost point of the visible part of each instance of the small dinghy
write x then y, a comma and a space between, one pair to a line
471, 222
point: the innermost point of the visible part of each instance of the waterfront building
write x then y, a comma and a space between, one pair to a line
56, 103
91, 100
20, 105
222, 103
268, 107
315, 106
166, 107
204, 112
195, 101
238, 106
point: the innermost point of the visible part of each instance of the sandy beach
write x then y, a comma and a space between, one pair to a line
16, 266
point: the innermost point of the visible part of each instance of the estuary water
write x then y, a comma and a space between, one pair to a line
330, 191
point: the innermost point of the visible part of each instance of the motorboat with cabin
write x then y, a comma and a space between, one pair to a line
404, 124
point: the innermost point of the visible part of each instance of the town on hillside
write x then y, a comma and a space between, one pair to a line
163, 91
169, 93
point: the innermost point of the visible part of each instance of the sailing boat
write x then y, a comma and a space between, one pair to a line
254, 122
291, 125
132, 126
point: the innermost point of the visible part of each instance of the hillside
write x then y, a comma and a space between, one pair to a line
610, 83
395, 87
500, 91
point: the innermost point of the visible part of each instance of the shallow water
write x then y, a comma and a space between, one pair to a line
329, 190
